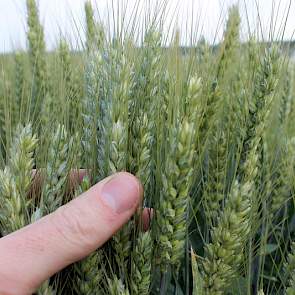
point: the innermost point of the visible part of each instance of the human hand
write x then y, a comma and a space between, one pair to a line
34, 253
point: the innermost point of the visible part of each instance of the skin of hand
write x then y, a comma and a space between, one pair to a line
34, 253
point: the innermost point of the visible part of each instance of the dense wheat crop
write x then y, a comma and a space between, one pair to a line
208, 130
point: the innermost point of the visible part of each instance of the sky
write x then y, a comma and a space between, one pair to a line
207, 18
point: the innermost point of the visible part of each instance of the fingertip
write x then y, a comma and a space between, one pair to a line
132, 178
122, 192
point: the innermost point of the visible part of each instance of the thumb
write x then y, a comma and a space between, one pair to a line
34, 253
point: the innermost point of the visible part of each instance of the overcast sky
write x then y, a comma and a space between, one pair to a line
66, 17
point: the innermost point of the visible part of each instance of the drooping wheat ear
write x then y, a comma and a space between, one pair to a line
15, 181
116, 287
90, 109
141, 265
231, 41
259, 108
57, 169
290, 271
224, 254
37, 56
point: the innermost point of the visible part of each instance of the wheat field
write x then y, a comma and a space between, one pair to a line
208, 129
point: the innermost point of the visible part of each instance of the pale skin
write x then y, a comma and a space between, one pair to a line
33, 254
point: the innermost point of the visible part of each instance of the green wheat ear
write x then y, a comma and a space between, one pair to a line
224, 255
57, 169
146, 91
230, 43
284, 111
15, 181
227, 56
94, 31
265, 83
218, 134
90, 107
141, 265
113, 124
117, 75
37, 56
177, 177
70, 86
284, 177
90, 274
